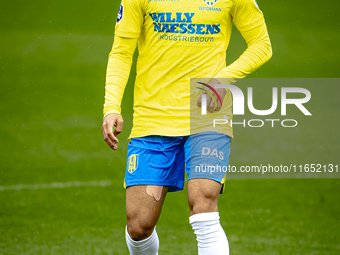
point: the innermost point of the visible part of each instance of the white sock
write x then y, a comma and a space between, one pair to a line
210, 235
148, 246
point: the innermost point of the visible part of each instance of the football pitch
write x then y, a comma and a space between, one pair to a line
61, 187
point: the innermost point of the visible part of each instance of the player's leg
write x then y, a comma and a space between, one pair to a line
153, 169
207, 158
204, 217
203, 195
143, 208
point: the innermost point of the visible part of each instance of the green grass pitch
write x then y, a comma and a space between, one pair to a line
53, 57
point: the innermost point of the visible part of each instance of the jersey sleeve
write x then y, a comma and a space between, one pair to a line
117, 74
130, 19
246, 14
258, 52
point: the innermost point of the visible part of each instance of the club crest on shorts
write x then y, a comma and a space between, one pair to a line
133, 163
210, 2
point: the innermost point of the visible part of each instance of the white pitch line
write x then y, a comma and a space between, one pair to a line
59, 185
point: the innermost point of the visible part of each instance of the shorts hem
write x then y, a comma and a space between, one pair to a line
201, 177
172, 186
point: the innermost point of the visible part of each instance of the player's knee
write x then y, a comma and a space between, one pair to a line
139, 232
204, 202
203, 208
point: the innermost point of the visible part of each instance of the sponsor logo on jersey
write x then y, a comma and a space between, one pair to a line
204, 8
181, 23
133, 163
120, 14
210, 2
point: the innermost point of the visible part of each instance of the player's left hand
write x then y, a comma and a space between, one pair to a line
210, 102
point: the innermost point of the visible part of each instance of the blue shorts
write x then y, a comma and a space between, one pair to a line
163, 160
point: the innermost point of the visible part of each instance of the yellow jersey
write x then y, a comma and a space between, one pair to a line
180, 43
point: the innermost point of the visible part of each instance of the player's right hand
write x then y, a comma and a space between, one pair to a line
110, 137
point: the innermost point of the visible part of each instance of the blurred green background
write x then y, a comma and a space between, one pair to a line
53, 63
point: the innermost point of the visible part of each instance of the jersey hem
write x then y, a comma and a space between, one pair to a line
138, 134
177, 133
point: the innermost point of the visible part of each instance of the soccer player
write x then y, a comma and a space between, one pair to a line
180, 42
